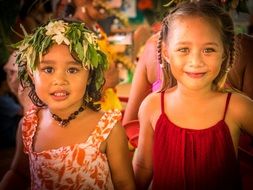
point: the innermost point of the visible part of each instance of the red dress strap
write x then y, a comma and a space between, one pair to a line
227, 103
162, 102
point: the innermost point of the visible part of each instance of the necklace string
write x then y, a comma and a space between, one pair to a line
65, 122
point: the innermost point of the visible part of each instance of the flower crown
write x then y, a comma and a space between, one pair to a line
82, 44
81, 41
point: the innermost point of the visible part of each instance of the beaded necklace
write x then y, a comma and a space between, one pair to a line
65, 122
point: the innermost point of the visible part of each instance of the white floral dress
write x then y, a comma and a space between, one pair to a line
80, 166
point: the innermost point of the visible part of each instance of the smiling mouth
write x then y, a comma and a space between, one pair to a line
60, 95
195, 75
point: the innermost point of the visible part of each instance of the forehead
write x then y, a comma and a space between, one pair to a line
59, 54
194, 27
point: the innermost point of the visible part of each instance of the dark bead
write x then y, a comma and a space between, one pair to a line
72, 117
65, 122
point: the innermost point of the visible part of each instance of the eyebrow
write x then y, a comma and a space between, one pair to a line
212, 43
51, 62
187, 43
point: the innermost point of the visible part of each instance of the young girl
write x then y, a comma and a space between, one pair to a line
189, 132
67, 142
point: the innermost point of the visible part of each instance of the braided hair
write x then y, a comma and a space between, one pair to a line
219, 18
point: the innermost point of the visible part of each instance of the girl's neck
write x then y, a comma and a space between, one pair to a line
192, 94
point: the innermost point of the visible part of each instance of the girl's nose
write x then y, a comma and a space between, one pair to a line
60, 78
196, 59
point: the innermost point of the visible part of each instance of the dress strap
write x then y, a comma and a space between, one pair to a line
29, 127
104, 126
227, 103
162, 102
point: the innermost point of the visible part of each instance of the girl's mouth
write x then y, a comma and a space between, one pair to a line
195, 75
60, 95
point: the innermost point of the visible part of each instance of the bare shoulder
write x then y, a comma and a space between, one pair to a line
241, 102
95, 115
150, 106
241, 110
151, 100
154, 38
151, 43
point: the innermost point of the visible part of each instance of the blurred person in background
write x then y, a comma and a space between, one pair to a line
10, 113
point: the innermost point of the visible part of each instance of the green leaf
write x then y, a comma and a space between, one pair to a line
79, 50
93, 56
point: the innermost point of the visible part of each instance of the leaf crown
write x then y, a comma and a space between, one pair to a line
82, 44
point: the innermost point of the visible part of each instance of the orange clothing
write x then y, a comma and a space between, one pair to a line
79, 166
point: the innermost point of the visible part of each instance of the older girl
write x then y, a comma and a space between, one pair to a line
189, 132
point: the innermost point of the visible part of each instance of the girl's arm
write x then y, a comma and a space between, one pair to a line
119, 159
18, 176
143, 162
141, 85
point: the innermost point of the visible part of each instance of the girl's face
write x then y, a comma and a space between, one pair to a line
59, 80
194, 51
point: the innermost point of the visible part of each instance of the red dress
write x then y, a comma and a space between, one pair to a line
193, 159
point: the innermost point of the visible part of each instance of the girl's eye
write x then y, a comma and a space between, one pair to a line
208, 50
73, 70
183, 50
47, 69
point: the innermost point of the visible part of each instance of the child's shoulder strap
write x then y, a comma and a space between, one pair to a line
105, 125
227, 103
29, 124
162, 102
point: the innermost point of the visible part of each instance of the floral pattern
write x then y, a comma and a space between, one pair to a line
80, 166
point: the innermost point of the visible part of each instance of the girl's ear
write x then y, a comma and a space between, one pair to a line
165, 54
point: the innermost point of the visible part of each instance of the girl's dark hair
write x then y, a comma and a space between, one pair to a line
216, 16
96, 80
